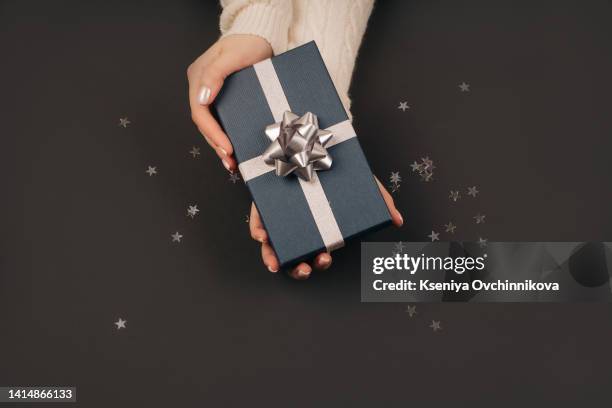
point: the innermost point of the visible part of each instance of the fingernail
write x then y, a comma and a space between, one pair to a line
226, 165
400, 217
222, 150
324, 260
272, 270
203, 95
302, 274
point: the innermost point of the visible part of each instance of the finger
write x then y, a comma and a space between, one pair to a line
208, 125
301, 272
323, 261
396, 217
258, 232
269, 258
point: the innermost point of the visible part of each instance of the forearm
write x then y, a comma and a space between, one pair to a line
269, 19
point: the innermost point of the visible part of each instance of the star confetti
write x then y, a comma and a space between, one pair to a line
124, 122
454, 195
151, 170
121, 324
234, 177
411, 310
395, 179
464, 87
424, 168
192, 211
435, 325
403, 106
434, 236
399, 247
472, 191
450, 227
480, 218
176, 237
482, 242
195, 151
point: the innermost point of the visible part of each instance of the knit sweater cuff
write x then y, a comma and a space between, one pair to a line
268, 21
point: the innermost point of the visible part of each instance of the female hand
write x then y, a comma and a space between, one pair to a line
321, 261
206, 75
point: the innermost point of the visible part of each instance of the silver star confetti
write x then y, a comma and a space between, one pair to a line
450, 227
192, 211
435, 325
399, 247
195, 151
234, 177
424, 168
482, 242
472, 191
124, 122
454, 195
403, 106
395, 177
121, 324
434, 236
411, 310
480, 218
464, 87
151, 170
176, 237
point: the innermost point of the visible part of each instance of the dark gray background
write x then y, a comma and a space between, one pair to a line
86, 233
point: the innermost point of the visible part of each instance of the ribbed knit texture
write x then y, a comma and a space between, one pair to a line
337, 26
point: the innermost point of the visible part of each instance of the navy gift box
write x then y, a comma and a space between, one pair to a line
302, 218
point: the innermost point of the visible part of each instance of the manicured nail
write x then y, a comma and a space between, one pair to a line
324, 260
302, 274
400, 217
272, 269
203, 95
227, 166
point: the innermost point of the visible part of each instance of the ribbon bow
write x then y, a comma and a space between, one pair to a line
298, 145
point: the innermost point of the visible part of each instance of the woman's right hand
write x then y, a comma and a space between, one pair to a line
206, 75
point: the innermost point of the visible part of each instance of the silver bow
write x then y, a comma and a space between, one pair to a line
298, 145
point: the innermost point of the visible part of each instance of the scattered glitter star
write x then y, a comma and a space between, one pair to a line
411, 310
399, 247
435, 325
195, 151
124, 122
450, 227
395, 177
454, 195
395, 188
482, 242
472, 191
434, 236
464, 87
151, 170
176, 237
121, 324
424, 168
403, 106
234, 177
192, 211
480, 218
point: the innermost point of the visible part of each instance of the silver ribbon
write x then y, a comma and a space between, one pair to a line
313, 190
298, 145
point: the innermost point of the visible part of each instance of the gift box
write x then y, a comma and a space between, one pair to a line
299, 155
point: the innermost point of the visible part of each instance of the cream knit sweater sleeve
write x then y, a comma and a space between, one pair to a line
337, 26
